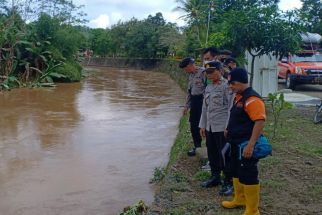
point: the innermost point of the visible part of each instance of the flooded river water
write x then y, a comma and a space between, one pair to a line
86, 148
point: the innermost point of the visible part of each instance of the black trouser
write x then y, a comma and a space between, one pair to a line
218, 161
195, 114
245, 169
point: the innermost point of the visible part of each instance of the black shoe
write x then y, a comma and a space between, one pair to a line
227, 190
192, 152
212, 181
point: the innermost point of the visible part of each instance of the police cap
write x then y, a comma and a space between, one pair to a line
185, 62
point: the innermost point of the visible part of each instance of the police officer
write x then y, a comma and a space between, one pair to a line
246, 123
223, 55
196, 88
210, 54
229, 64
213, 122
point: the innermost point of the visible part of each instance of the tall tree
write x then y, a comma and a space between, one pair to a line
259, 30
196, 15
101, 42
311, 14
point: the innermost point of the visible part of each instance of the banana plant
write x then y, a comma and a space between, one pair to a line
45, 79
9, 83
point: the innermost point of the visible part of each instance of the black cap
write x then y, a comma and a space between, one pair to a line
185, 62
238, 74
212, 65
229, 60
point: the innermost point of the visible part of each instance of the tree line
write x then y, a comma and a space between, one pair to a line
42, 42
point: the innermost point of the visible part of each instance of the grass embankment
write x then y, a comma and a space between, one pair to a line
291, 179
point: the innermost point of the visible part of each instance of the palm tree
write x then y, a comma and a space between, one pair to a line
196, 15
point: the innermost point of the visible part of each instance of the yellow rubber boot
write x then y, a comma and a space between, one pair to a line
252, 199
239, 197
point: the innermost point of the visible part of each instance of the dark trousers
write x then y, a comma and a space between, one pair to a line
245, 169
195, 114
218, 160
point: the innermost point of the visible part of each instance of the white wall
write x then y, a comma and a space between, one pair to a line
265, 74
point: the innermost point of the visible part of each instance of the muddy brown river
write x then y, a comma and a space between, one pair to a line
86, 148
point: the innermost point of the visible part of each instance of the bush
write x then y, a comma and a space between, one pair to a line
71, 70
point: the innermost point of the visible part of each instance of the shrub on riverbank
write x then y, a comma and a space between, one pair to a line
36, 53
71, 72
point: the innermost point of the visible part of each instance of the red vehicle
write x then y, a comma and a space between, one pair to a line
304, 67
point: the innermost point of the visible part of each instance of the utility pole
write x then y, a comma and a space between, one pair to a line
211, 8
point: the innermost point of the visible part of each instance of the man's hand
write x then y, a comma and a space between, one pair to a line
225, 133
202, 132
185, 111
248, 150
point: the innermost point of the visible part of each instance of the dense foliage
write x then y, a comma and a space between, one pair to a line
256, 26
148, 38
42, 50
42, 41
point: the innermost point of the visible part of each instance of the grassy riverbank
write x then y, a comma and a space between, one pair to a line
291, 179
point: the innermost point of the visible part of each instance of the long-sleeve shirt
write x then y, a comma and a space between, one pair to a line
196, 85
216, 106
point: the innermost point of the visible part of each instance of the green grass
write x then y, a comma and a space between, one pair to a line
315, 190
158, 175
181, 142
273, 184
298, 133
202, 175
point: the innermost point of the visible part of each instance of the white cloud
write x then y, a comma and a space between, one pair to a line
102, 21
124, 10
289, 4
174, 17
105, 13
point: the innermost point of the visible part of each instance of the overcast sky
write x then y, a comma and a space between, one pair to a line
104, 13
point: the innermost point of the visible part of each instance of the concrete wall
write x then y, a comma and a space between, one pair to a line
134, 63
265, 74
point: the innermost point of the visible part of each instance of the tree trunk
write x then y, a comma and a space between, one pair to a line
252, 70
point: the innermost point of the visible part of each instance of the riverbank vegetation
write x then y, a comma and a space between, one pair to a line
39, 43
43, 41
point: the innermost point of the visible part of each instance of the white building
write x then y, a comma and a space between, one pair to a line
265, 79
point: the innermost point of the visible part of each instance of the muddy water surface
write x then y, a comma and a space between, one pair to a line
86, 148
